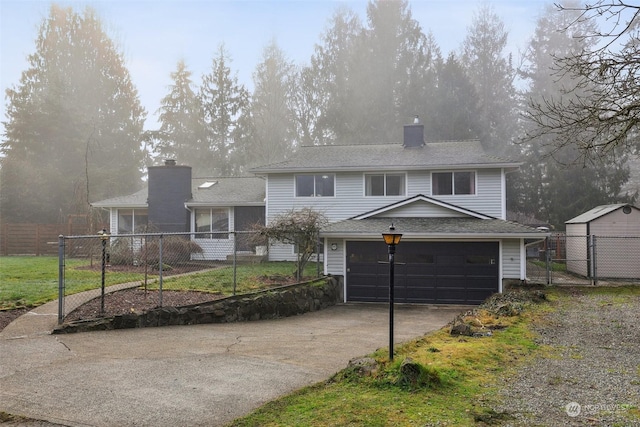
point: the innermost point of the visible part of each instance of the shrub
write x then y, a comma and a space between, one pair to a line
175, 250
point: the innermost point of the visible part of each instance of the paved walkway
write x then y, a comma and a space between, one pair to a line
187, 375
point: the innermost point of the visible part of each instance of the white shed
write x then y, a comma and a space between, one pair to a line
614, 233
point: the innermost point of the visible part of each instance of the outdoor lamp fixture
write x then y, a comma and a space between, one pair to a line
391, 239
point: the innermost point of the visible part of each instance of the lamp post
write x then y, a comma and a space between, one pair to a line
391, 239
104, 236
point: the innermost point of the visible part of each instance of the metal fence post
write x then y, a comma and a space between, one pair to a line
160, 267
60, 279
235, 264
547, 258
594, 266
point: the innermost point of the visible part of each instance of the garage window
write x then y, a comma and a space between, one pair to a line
384, 184
453, 183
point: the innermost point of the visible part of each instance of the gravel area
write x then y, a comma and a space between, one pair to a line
591, 375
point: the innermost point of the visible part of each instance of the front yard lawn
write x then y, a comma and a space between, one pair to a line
31, 281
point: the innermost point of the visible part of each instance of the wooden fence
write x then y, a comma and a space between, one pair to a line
36, 239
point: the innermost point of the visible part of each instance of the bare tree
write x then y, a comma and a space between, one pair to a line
295, 227
599, 112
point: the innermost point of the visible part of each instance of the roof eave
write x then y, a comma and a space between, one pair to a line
120, 206
266, 171
439, 236
222, 204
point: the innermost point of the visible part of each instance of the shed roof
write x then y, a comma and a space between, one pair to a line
597, 212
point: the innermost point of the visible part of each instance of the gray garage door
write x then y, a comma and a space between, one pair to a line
425, 272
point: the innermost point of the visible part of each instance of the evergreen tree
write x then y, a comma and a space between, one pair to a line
224, 102
391, 71
326, 104
555, 187
453, 112
492, 75
74, 112
273, 124
181, 135
368, 81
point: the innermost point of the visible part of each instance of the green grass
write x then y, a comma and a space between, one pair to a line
249, 278
555, 266
32, 281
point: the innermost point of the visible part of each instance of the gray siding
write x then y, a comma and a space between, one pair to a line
335, 259
349, 199
617, 223
512, 259
577, 245
488, 197
422, 209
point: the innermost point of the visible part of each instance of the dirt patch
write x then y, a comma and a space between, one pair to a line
8, 316
137, 301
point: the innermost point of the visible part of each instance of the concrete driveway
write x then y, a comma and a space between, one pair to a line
191, 375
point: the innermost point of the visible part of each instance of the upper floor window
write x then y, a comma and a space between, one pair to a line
214, 221
132, 220
449, 183
315, 185
384, 184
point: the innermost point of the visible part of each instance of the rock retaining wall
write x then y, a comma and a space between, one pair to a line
273, 303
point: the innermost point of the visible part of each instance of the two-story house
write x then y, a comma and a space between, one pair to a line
446, 198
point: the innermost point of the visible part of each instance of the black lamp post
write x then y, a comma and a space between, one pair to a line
104, 236
391, 239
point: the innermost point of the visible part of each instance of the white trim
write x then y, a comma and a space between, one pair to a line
295, 184
453, 182
384, 175
426, 199
500, 272
523, 260
503, 194
344, 269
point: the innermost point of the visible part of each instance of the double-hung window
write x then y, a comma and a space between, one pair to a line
315, 185
214, 221
453, 183
384, 184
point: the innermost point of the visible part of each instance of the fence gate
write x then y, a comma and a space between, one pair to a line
584, 260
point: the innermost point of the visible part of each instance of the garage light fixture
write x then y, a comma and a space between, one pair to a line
391, 239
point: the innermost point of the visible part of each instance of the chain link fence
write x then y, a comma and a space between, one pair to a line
91, 267
584, 260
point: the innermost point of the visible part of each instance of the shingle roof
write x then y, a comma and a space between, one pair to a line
227, 191
234, 191
433, 155
426, 227
596, 213
135, 200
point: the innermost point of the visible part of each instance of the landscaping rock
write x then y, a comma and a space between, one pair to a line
285, 301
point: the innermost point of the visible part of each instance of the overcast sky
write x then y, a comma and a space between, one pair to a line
155, 34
